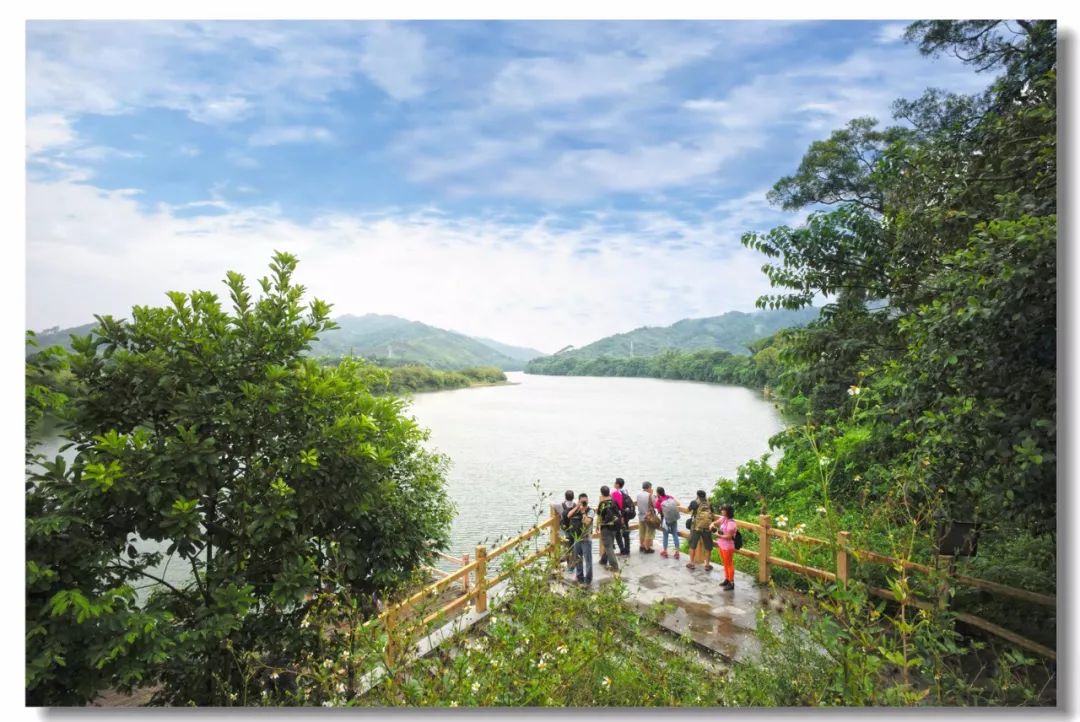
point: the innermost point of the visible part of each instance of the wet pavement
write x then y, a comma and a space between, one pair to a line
721, 621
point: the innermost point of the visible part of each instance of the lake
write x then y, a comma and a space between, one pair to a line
565, 432
514, 448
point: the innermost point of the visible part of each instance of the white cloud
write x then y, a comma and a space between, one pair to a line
290, 134
223, 110
394, 58
891, 33
215, 72
541, 284
47, 131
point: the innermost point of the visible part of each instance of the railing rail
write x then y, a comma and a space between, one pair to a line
845, 552
477, 594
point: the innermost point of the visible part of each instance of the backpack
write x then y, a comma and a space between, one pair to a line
670, 511
703, 517
565, 521
608, 513
629, 507
738, 539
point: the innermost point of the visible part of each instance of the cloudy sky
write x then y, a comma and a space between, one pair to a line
540, 183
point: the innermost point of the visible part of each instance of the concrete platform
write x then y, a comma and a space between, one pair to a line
719, 621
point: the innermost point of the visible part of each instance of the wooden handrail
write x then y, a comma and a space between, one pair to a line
844, 552
522, 537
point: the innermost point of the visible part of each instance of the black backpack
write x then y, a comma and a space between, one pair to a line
629, 508
564, 520
609, 513
738, 539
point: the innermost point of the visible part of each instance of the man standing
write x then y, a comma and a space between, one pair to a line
699, 532
610, 524
646, 534
580, 517
564, 508
626, 511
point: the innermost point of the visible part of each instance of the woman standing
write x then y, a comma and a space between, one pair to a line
726, 543
667, 507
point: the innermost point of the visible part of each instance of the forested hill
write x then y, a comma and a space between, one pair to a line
733, 332
382, 338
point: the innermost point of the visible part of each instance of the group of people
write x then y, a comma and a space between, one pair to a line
614, 511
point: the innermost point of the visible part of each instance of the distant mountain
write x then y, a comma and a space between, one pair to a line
381, 337
389, 337
518, 353
731, 332
57, 336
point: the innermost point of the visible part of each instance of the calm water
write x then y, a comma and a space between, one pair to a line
579, 433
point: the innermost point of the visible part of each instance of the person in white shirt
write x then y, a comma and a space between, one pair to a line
645, 502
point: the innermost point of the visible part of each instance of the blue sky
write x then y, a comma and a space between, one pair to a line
541, 183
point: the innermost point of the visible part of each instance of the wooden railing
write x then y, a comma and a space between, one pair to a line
841, 573
477, 593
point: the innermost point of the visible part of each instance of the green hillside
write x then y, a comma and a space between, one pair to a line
384, 338
732, 332
389, 337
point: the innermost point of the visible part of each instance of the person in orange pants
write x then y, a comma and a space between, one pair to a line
725, 542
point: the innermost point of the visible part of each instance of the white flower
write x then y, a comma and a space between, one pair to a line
821, 510
453, 703
273, 675
799, 528
606, 683
232, 696
823, 461
854, 390
563, 649
340, 688
541, 665
305, 623
327, 703
475, 687
327, 664
781, 521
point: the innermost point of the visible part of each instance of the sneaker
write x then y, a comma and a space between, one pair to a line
663, 553
708, 567
676, 553
727, 586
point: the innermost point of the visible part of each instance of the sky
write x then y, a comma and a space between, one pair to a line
542, 183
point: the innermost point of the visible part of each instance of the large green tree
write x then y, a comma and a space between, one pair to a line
206, 442
935, 241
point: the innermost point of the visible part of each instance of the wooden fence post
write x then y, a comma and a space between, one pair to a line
945, 565
465, 579
556, 546
842, 567
390, 624
481, 579
763, 549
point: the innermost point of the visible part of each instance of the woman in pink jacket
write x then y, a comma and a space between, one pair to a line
725, 542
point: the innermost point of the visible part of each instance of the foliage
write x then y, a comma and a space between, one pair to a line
207, 441
939, 257
711, 366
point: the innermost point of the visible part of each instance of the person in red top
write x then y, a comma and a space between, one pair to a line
725, 542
